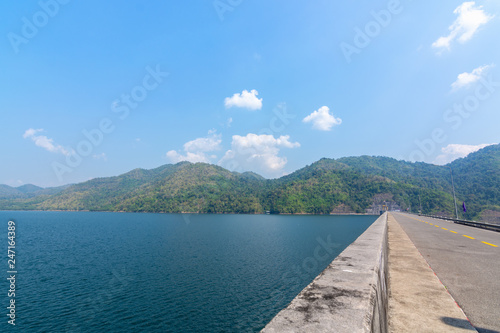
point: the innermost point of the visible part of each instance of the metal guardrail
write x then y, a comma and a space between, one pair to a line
488, 226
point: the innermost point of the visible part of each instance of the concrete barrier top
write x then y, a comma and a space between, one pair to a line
350, 295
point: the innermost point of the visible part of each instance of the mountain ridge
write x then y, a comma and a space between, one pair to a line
346, 185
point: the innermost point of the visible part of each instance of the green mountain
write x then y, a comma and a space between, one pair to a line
9, 192
28, 191
29, 188
346, 185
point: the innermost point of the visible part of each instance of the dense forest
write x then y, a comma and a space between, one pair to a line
346, 185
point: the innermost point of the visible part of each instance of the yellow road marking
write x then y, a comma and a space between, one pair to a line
455, 232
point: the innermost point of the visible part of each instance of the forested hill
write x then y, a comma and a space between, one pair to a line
345, 185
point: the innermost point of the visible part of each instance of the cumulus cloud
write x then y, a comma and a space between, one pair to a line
453, 151
470, 18
322, 119
176, 157
101, 156
257, 153
247, 99
44, 142
466, 79
197, 150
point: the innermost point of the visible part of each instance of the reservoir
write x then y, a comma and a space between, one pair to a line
123, 272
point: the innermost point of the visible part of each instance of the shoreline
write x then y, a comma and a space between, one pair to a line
226, 213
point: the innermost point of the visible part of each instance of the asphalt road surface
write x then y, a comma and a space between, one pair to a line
466, 260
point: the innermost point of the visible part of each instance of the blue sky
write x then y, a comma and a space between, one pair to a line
93, 89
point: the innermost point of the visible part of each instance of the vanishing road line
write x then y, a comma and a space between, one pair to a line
493, 245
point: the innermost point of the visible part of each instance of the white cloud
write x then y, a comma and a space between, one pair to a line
197, 149
470, 18
246, 99
44, 142
466, 79
101, 156
453, 151
176, 157
257, 153
322, 119
210, 143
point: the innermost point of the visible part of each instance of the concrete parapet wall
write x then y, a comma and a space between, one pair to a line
350, 295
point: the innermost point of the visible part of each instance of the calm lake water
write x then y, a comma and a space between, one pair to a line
116, 272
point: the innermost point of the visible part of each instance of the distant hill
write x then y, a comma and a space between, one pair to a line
9, 192
24, 196
345, 185
29, 188
477, 181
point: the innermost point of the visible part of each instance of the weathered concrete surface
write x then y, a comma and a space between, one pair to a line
418, 301
350, 295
